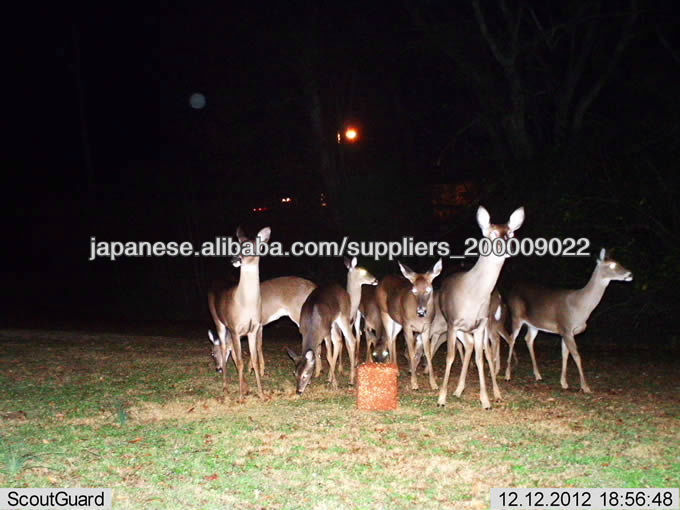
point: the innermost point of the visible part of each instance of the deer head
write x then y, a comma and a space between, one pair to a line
249, 252
357, 276
304, 368
493, 231
421, 285
217, 353
611, 269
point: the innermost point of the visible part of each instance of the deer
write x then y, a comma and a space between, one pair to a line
237, 311
407, 303
281, 297
369, 311
465, 299
563, 312
326, 316
498, 316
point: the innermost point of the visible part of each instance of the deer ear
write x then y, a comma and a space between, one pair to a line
241, 235
516, 219
483, 219
407, 272
293, 356
212, 338
436, 269
603, 254
263, 235
350, 264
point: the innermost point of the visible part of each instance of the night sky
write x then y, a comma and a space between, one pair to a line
105, 142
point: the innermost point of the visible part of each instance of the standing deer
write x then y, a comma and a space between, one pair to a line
498, 314
281, 297
407, 303
369, 311
237, 311
464, 300
325, 315
564, 312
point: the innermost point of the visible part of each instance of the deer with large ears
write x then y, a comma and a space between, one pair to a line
564, 312
237, 311
464, 300
326, 316
407, 303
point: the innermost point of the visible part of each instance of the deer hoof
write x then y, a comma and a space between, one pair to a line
586, 389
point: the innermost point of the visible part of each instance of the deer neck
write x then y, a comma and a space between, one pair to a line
485, 272
248, 289
354, 291
590, 296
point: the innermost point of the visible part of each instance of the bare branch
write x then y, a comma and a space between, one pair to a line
587, 100
498, 55
666, 44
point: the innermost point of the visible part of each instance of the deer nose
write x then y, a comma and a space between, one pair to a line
422, 312
236, 261
219, 370
628, 277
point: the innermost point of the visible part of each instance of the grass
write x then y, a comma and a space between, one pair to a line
141, 415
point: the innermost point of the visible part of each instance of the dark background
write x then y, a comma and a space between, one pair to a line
569, 108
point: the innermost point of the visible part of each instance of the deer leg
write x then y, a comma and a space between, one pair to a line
259, 351
573, 350
468, 343
222, 335
357, 336
336, 340
565, 359
428, 358
387, 328
252, 348
492, 358
351, 344
370, 343
408, 336
238, 361
516, 327
329, 355
339, 362
317, 367
450, 358
396, 328
529, 338
479, 361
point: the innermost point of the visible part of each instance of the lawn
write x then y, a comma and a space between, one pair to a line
142, 414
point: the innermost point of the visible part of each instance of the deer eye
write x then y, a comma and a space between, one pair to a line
414, 290
612, 265
510, 234
428, 290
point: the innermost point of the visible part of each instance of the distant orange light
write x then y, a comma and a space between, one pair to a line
351, 134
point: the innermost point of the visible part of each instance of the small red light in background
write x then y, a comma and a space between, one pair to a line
260, 209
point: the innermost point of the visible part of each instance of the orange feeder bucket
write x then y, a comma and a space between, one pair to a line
377, 388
